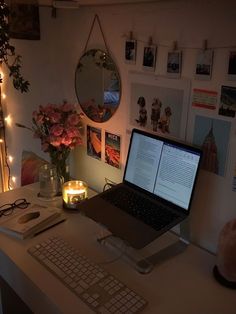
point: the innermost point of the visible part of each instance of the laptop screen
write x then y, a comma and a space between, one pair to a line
163, 167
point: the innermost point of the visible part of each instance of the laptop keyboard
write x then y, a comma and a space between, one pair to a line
140, 207
101, 291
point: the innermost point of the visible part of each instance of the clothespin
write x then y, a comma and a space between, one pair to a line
205, 44
150, 41
175, 45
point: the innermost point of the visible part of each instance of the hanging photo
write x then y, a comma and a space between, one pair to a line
174, 63
204, 63
212, 135
149, 58
94, 142
232, 66
130, 51
228, 101
112, 149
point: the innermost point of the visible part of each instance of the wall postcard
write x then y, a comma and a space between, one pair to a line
212, 135
174, 64
228, 101
112, 149
159, 104
94, 142
130, 51
149, 58
204, 98
204, 64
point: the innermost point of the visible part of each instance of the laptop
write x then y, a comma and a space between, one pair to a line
156, 191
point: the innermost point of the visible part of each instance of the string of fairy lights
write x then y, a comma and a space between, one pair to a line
7, 181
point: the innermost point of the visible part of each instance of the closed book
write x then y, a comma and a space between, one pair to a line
28, 221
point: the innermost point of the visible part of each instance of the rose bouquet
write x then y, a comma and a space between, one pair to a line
59, 129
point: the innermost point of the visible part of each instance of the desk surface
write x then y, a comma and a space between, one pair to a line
182, 284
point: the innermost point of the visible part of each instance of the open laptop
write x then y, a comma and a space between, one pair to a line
156, 192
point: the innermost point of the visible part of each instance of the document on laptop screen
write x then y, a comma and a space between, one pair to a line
176, 175
143, 162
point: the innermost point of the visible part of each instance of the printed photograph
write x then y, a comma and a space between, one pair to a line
228, 101
212, 135
149, 58
24, 21
94, 146
232, 66
156, 108
204, 64
112, 149
203, 98
130, 51
174, 64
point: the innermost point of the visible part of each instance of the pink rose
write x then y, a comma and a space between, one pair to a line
55, 141
54, 117
56, 130
73, 119
72, 131
66, 140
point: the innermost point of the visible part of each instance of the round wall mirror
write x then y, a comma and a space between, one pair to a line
97, 85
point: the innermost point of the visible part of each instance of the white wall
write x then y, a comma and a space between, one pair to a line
49, 65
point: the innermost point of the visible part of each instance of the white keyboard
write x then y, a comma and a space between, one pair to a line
101, 291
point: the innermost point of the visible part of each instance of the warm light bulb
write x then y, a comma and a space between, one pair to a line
4, 96
10, 158
1, 140
8, 120
1, 75
13, 179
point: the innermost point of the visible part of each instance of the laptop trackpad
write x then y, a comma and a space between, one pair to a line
118, 222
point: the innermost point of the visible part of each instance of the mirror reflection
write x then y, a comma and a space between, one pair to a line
97, 85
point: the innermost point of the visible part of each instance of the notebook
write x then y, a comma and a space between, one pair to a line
156, 191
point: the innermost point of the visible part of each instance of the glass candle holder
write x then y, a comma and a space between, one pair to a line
73, 193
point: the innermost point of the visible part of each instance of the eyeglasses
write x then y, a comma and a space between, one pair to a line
7, 209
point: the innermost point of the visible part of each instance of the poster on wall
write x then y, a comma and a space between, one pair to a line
94, 142
203, 98
112, 149
159, 105
174, 64
228, 101
204, 64
212, 135
232, 65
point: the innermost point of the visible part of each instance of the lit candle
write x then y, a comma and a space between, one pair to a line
73, 192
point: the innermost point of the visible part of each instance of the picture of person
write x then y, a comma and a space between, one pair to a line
149, 57
142, 119
164, 122
155, 113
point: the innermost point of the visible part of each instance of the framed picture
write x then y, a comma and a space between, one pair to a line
174, 64
204, 63
149, 58
24, 21
130, 51
232, 65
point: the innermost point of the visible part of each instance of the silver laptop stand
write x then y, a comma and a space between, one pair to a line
139, 261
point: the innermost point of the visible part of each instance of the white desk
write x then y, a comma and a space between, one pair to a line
182, 285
